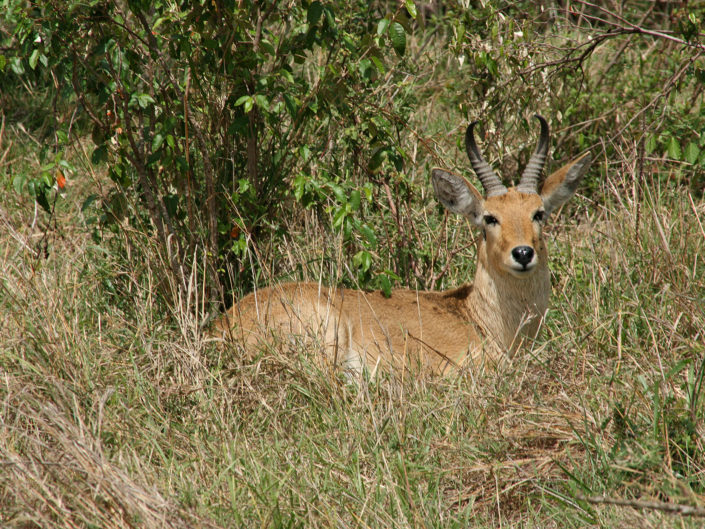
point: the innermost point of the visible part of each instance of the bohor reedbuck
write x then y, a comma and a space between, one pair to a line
486, 320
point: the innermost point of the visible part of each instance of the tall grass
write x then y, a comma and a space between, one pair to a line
114, 416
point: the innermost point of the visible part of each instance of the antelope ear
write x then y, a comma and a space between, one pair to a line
457, 195
561, 185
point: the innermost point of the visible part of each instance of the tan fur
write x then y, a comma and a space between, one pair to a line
483, 321
552, 183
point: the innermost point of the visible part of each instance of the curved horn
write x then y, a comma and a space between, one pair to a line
488, 178
530, 178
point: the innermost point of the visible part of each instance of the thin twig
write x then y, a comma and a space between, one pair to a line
624, 46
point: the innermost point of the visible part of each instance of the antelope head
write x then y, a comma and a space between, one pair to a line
511, 219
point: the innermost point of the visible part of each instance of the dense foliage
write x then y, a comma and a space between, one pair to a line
215, 117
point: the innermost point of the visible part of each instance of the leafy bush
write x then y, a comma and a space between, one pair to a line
214, 118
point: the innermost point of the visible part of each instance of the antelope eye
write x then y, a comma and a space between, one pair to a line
491, 220
539, 216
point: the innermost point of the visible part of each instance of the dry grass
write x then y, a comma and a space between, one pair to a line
113, 417
115, 411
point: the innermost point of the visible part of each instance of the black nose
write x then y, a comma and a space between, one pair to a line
523, 254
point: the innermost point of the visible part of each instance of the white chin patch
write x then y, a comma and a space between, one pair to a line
520, 270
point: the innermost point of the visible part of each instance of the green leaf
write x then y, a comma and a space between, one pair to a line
47, 177
398, 37
3, 63
33, 59
262, 101
350, 43
42, 201
315, 10
87, 203
382, 26
18, 183
299, 186
291, 105
385, 285
691, 153
411, 8
305, 153
267, 46
243, 185
100, 154
378, 64
362, 260
330, 18
494, 31
118, 175
16, 65
313, 104
339, 217
491, 65
365, 69
338, 192
157, 142
460, 31
369, 234
286, 74
355, 200
674, 149
650, 144
379, 155
143, 100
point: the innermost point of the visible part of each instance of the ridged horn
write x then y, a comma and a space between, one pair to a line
488, 178
530, 178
